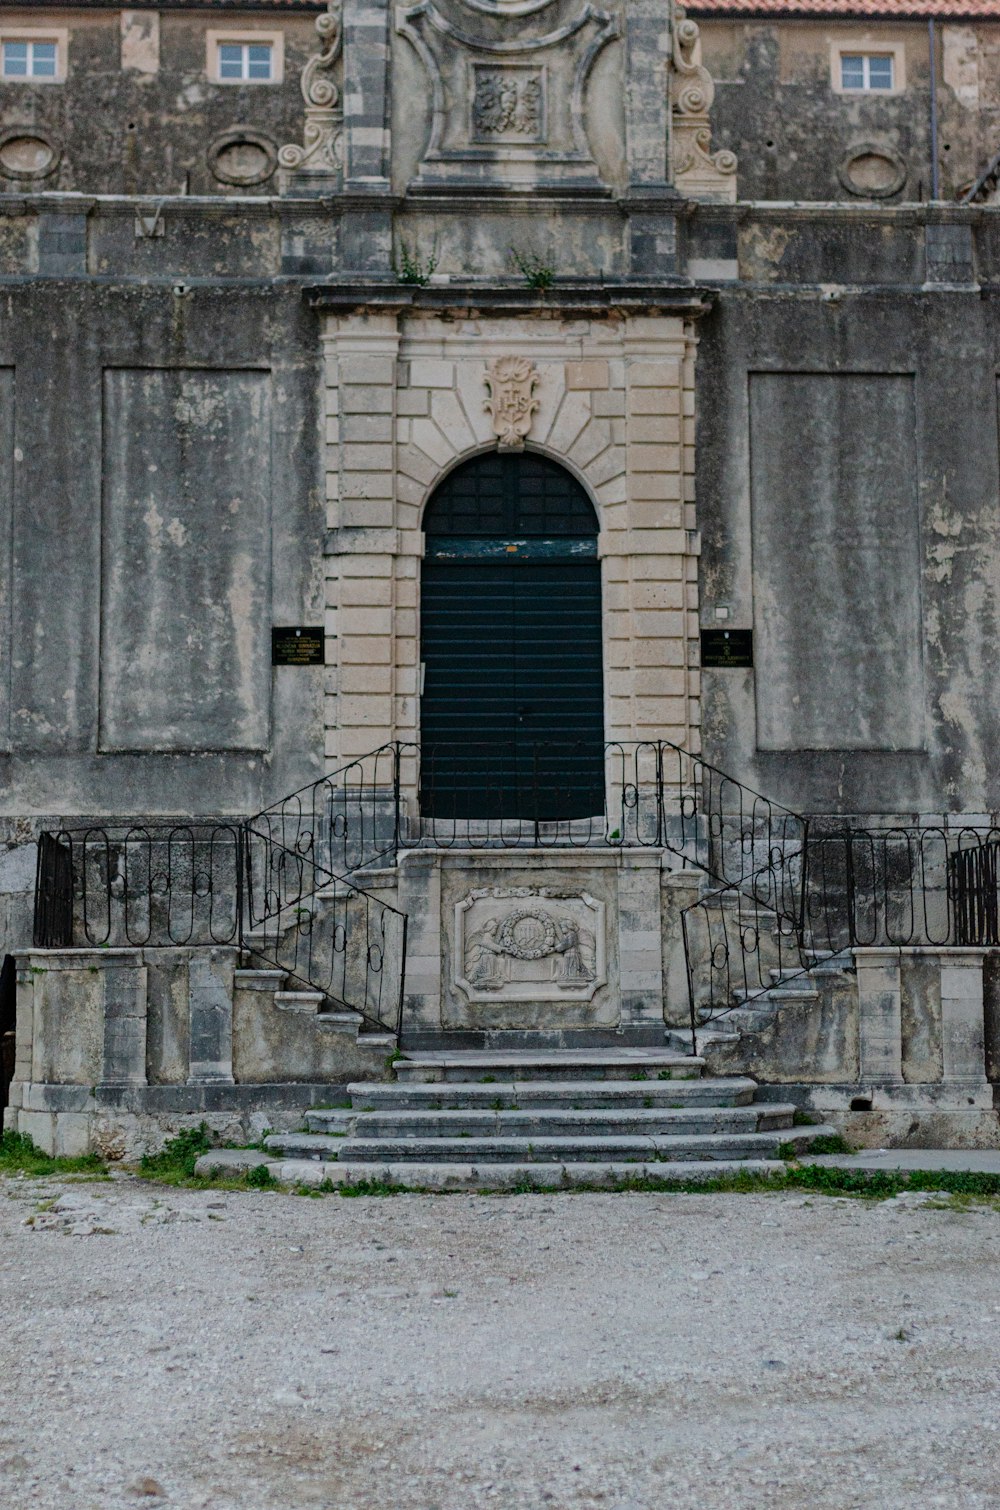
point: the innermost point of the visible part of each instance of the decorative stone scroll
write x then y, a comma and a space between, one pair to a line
696, 169
511, 404
321, 152
519, 943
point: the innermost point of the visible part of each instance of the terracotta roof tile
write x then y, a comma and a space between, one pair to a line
308, 6
883, 10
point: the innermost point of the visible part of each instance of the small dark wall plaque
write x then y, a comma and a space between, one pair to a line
302, 646
726, 647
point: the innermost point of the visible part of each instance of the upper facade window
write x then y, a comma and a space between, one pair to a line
245, 57
35, 56
245, 60
860, 69
865, 70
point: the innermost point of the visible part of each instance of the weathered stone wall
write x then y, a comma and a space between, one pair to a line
116, 1049
798, 138
848, 501
891, 1045
137, 111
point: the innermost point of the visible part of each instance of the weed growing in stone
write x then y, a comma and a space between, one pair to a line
536, 272
412, 268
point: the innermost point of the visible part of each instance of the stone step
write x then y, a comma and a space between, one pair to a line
545, 1123
680, 1148
534, 1094
489, 1065
594, 1174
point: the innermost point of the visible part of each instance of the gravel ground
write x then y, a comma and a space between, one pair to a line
259, 1351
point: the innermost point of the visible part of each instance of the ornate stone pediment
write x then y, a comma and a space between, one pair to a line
508, 82
519, 943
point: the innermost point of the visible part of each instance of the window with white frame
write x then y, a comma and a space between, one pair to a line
245, 57
30, 58
245, 62
866, 71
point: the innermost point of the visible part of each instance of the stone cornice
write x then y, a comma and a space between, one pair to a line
581, 297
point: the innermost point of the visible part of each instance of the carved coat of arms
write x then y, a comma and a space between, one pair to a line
523, 944
512, 382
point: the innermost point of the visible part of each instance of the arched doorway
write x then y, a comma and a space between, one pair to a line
512, 707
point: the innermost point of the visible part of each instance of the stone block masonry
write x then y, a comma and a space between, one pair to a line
405, 398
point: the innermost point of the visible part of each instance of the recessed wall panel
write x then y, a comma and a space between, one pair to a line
185, 589
836, 562
6, 537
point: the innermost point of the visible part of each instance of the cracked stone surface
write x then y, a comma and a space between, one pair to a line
218, 1350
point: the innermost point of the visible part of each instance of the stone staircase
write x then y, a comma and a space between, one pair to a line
494, 1119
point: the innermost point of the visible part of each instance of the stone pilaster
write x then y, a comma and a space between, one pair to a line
361, 353
879, 1016
210, 1016
962, 1019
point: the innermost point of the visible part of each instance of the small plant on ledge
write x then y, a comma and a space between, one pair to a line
536, 272
411, 267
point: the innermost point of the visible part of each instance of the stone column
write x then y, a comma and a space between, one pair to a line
366, 217
880, 1047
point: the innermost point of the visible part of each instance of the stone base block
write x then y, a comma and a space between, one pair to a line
945, 1115
122, 1125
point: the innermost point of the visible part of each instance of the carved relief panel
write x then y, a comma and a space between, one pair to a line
529, 944
508, 81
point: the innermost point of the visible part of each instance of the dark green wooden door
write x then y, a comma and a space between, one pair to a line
512, 704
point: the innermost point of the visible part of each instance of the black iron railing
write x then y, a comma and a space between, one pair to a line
289, 884
637, 794
897, 887
325, 933
139, 885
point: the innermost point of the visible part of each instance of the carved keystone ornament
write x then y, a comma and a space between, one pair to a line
520, 944
511, 404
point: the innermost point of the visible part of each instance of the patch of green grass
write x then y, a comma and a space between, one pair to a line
260, 1178
830, 1143
370, 1187
786, 1151
176, 1159
802, 1119
19, 1155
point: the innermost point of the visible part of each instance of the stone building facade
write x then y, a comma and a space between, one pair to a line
471, 262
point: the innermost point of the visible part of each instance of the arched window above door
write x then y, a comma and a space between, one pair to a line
510, 496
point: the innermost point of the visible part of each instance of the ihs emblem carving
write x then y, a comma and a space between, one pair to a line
512, 382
